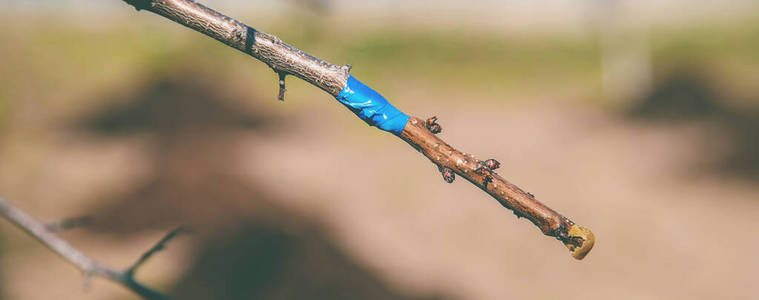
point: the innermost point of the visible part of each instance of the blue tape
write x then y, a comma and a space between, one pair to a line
371, 107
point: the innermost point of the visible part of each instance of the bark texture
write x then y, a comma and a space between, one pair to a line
280, 56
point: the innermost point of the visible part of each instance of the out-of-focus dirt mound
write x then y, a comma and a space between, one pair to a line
685, 97
340, 209
250, 246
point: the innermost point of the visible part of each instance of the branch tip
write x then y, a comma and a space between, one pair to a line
580, 241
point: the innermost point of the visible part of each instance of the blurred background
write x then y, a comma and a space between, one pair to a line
637, 119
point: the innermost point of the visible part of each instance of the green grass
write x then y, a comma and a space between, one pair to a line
470, 59
69, 57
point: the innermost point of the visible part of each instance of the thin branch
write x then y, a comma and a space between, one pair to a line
287, 60
84, 263
158, 247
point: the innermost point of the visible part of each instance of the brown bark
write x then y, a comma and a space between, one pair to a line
281, 57
287, 60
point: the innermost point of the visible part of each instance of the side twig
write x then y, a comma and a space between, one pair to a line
158, 247
420, 134
84, 263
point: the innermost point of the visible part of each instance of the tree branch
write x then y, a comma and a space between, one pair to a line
158, 247
287, 60
84, 263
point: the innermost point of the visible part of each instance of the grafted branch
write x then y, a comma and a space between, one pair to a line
84, 263
287, 60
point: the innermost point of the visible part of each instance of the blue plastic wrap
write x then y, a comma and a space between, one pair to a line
371, 107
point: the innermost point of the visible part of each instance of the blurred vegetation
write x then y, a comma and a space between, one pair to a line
452, 59
71, 57
709, 42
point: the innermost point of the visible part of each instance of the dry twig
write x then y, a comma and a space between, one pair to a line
84, 263
420, 134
